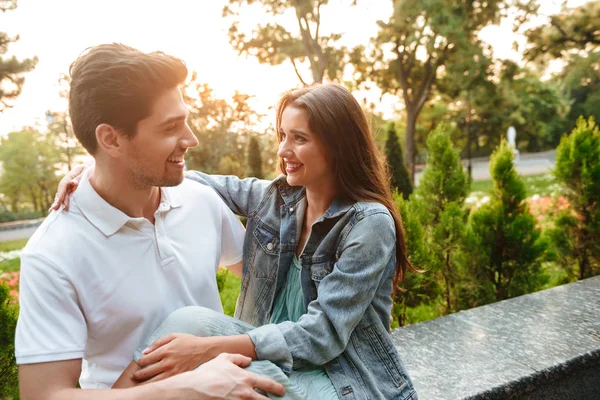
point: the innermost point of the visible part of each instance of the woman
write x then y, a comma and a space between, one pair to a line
324, 249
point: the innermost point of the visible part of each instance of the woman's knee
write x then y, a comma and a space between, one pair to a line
195, 320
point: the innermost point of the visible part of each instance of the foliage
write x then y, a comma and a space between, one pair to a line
578, 228
11, 69
416, 44
572, 30
254, 159
400, 179
222, 128
580, 84
9, 386
419, 289
533, 107
504, 248
229, 290
30, 161
438, 202
273, 43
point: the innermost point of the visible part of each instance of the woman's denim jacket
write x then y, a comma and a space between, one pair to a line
347, 270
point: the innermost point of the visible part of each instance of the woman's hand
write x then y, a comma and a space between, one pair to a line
172, 355
67, 185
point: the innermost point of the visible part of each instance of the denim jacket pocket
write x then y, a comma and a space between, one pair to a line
266, 252
373, 345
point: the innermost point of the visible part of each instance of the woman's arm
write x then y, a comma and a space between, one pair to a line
241, 195
344, 295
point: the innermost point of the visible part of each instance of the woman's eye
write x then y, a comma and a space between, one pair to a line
300, 139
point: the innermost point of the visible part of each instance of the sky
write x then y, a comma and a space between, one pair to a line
57, 31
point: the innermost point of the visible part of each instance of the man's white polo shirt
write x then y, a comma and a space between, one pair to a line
95, 282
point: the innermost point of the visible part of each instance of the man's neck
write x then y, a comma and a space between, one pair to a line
119, 192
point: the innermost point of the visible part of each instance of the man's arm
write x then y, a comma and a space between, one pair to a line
236, 269
221, 378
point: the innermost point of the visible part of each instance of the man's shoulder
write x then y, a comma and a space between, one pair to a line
60, 235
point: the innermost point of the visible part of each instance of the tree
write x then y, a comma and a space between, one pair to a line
273, 43
9, 383
254, 167
504, 250
438, 200
222, 128
30, 162
413, 46
418, 288
11, 69
580, 84
578, 228
399, 175
533, 107
572, 30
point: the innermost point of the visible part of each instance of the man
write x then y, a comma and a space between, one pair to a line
137, 243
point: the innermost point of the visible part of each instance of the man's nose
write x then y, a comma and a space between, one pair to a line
189, 140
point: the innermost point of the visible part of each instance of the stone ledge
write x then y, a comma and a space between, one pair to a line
544, 345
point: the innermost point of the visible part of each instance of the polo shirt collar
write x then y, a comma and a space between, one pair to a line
107, 218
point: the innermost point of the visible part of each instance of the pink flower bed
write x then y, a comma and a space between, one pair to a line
545, 208
12, 280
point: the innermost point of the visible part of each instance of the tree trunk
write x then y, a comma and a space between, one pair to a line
410, 149
468, 128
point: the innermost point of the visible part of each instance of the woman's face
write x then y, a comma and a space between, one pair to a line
307, 162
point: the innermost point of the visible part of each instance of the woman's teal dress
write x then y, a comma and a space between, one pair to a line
289, 306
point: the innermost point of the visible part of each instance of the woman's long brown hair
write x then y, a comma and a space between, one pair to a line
337, 119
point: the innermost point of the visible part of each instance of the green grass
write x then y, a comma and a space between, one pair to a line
13, 245
543, 185
13, 264
229, 290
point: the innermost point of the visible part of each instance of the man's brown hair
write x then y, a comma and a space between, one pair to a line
117, 85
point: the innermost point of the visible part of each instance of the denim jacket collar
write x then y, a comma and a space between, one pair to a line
293, 194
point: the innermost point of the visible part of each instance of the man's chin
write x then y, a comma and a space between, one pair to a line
171, 181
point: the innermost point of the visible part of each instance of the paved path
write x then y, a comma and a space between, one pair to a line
527, 164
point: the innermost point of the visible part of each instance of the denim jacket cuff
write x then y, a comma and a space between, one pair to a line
270, 344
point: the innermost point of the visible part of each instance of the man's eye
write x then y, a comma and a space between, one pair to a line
171, 127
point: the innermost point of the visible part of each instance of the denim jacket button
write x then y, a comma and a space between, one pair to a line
292, 209
270, 246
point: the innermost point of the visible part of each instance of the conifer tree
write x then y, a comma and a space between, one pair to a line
505, 248
254, 159
439, 203
577, 229
400, 179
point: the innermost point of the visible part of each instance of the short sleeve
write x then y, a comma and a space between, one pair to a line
232, 237
51, 324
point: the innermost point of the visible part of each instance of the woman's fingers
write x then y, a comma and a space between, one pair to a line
159, 343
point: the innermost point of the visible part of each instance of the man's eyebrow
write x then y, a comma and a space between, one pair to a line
173, 119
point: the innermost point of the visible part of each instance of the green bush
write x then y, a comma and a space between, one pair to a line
577, 228
9, 385
504, 249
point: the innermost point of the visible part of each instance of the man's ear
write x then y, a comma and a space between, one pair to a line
109, 139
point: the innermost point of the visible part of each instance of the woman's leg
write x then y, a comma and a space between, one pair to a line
204, 322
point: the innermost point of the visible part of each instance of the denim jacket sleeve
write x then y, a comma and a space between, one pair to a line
242, 196
343, 297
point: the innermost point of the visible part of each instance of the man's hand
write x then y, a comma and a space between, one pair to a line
224, 378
